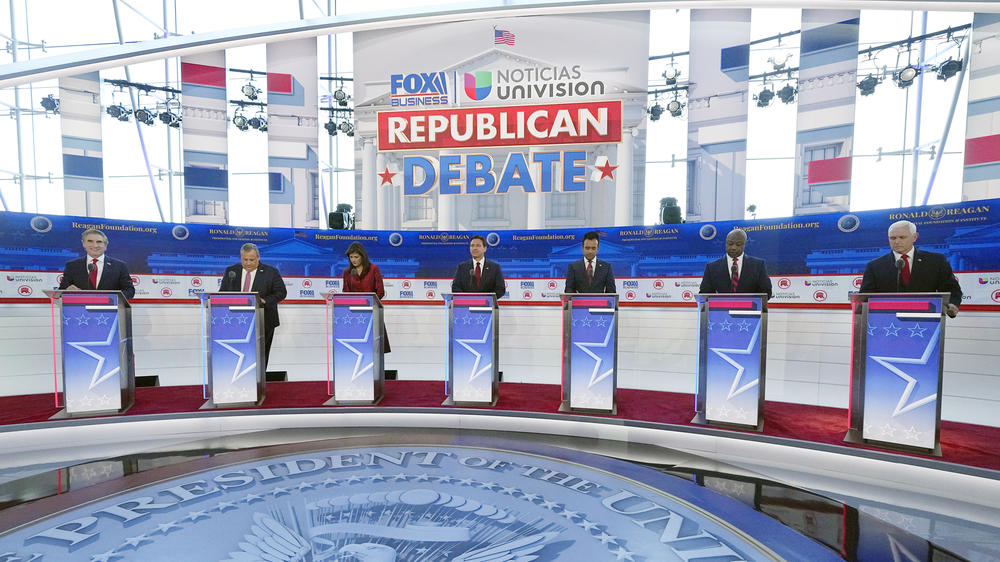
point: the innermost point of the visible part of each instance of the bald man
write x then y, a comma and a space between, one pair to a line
736, 272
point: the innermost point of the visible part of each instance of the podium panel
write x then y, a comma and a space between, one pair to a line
473, 370
732, 354
235, 347
358, 352
96, 332
590, 352
897, 358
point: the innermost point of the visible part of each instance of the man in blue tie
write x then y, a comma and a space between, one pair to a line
737, 272
97, 271
478, 275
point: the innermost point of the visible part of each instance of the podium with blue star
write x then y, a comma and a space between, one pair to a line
473, 372
95, 331
732, 354
233, 350
897, 358
590, 353
357, 349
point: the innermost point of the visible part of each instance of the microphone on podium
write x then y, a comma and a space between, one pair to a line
91, 267
899, 274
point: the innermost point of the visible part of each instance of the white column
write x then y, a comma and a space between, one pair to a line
536, 201
382, 193
369, 203
623, 180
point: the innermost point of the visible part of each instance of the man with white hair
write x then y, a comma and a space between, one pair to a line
908, 270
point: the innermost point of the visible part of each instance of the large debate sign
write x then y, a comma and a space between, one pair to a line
502, 116
814, 260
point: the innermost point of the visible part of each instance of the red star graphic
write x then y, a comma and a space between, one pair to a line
606, 170
386, 176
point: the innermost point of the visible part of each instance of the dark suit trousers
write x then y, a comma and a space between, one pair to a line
268, 337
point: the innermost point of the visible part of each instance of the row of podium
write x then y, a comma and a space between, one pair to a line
896, 357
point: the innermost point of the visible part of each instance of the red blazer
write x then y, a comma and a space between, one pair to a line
370, 283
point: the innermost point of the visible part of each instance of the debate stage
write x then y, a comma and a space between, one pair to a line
408, 479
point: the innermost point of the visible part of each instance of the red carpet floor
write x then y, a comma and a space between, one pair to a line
965, 444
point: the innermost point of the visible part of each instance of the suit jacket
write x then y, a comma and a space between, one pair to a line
576, 278
115, 276
268, 284
930, 273
753, 278
490, 280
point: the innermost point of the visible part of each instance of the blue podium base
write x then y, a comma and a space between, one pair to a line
700, 419
854, 437
565, 407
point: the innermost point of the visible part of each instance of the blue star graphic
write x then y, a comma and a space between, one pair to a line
736, 387
111, 347
745, 325
726, 325
467, 343
904, 405
871, 330
892, 329
240, 356
366, 339
82, 320
595, 375
917, 331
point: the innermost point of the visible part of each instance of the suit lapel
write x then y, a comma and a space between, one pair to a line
255, 286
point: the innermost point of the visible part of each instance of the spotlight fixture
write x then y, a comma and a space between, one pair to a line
170, 118
945, 70
671, 74
764, 97
341, 97
258, 122
907, 75
867, 86
145, 116
655, 112
50, 103
347, 128
119, 112
250, 91
787, 94
675, 108
240, 121
331, 128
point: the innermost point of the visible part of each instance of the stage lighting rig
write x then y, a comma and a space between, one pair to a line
119, 112
145, 116
787, 94
867, 85
341, 97
258, 122
50, 103
655, 112
675, 108
250, 91
671, 74
947, 69
906, 75
241, 122
331, 128
764, 97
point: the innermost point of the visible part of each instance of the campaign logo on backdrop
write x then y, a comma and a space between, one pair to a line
166, 292
478, 85
819, 296
552, 285
687, 295
784, 283
24, 291
430, 294
630, 295
658, 284
135, 279
996, 296
856, 282
196, 282
527, 295
406, 283
708, 232
307, 283
848, 223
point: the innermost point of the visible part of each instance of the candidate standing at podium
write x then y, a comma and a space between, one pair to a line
252, 276
362, 276
737, 272
908, 270
590, 275
478, 275
97, 271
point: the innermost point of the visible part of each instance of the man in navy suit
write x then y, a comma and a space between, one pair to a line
251, 275
590, 275
97, 270
737, 272
919, 271
478, 275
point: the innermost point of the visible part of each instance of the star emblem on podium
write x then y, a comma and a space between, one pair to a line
359, 353
596, 375
738, 387
245, 344
468, 344
904, 404
109, 348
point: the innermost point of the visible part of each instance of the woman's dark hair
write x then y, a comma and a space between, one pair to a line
358, 248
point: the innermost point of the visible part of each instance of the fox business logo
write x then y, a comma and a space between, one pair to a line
333, 283
630, 284
307, 293
406, 294
194, 292
430, 284
528, 285
424, 88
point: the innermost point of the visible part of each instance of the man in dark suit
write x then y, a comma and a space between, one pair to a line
478, 275
251, 275
590, 275
737, 272
97, 270
918, 271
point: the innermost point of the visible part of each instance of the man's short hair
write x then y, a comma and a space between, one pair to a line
909, 226
249, 247
592, 235
479, 237
94, 231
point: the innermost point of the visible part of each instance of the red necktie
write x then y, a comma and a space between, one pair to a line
479, 274
905, 274
590, 272
735, 272
93, 274
246, 283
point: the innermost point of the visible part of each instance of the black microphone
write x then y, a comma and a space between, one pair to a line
472, 274
899, 274
232, 275
91, 267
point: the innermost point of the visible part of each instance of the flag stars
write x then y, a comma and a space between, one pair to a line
305, 486
892, 329
622, 554
105, 556
726, 325
165, 528
223, 506
250, 498
195, 515
278, 490
134, 542
917, 331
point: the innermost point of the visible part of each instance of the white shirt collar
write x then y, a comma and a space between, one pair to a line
896, 255
739, 259
100, 259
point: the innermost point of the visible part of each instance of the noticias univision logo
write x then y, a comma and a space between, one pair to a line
479, 84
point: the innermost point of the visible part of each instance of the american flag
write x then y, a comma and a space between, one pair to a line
503, 37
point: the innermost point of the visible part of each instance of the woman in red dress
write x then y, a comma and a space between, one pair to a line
362, 276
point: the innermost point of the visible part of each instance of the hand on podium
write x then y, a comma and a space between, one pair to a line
951, 311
